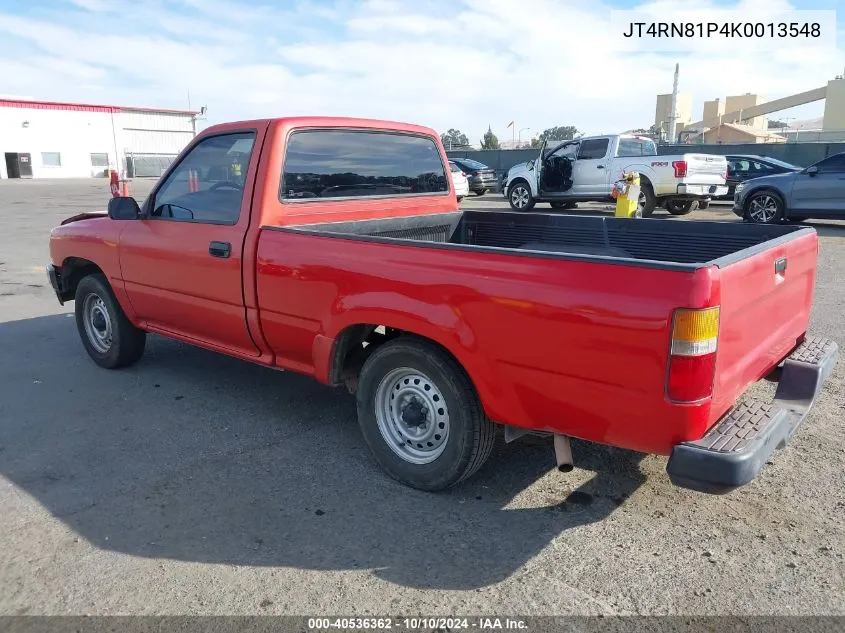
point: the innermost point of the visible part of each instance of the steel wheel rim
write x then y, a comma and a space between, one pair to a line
641, 203
519, 197
763, 208
412, 415
98, 325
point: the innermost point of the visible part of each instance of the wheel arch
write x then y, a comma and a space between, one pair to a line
766, 188
355, 342
72, 271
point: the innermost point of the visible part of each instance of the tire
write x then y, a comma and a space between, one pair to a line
647, 202
480, 192
679, 207
109, 338
520, 193
564, 205
703, 204
460, 198
437, 392
764, 207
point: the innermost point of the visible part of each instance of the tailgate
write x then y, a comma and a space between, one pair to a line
705, 169
765, 303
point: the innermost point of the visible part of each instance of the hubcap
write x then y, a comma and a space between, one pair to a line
412, 416
763, 208
98, 326
520, 197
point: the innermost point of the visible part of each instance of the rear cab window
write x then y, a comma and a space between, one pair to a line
629, 147
334, 164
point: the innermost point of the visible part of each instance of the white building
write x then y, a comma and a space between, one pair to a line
47, 139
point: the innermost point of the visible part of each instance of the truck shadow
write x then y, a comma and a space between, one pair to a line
192, 456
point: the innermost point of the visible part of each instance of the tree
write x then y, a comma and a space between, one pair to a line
454, 139
774, 124
560, 133
489, 141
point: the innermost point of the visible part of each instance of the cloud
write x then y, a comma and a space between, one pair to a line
462, 64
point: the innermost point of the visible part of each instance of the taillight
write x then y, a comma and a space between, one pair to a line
680, 167
692, 364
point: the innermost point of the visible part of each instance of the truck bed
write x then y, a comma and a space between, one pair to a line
668, 244
558, 318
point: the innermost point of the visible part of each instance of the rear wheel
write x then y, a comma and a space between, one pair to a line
420, 415
108, 336
646, 201
679, 207
480, 192
519, 196
764, 207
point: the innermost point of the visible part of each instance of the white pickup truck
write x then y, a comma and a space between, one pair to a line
585, 169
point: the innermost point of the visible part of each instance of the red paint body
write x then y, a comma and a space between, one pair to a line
576, 347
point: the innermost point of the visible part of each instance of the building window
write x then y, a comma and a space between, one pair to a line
99, 160
51, 159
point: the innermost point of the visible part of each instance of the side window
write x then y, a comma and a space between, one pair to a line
832, 164
630, 147
593, 148
352, 163
208, 184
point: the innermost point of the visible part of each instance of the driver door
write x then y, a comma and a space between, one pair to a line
181, 263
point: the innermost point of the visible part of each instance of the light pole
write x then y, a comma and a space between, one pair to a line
519, 136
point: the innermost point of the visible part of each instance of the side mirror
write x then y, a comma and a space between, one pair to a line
124, 209
812, 170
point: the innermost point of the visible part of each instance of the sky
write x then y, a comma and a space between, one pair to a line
462, 64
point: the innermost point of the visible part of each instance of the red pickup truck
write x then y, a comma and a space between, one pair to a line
335, 248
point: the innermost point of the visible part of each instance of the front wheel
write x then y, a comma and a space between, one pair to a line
679, 207
764, 207
420, 415
520, 197
480, 192
108, 336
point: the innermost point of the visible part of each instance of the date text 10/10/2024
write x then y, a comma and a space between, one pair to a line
418, 623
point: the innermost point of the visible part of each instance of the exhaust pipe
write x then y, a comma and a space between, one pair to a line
563, 453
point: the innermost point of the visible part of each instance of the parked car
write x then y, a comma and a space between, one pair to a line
742, 167
817, 191
481, 177
642, 335
585, 169
459, 179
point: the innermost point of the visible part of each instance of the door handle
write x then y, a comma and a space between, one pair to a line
599, 166
220, 249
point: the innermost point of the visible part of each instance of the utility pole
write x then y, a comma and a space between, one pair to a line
673, 107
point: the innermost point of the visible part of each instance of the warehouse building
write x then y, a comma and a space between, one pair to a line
48, 139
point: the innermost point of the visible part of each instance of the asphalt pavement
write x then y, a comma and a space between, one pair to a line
193, 483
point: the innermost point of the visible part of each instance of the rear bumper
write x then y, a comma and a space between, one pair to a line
735, 450
702, 190
477, 184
